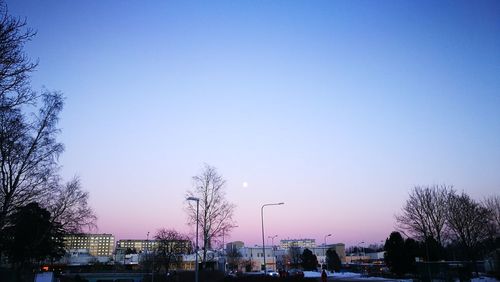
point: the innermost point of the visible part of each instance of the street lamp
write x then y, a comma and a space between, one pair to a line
272, 246
197, 200
272, 239
147, 255
359, 257
263, 242
324, 239
324, 245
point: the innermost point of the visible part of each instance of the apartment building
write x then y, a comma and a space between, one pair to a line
138, 245
301, 243
95, 244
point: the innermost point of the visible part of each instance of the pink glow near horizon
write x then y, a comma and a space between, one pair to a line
287, 221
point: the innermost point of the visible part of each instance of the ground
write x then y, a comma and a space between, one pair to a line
354, 277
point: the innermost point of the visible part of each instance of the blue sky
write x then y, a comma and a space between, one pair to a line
337, 108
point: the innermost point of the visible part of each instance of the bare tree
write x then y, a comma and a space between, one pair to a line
15, 66
28, 154
69, 206
234, 258
171, 246
28, 130
424, 214
294, 255
493, 204
468, 221
215, 212
248, 264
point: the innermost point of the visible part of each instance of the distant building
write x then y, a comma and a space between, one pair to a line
137, 245
301, 243
252, 258
82, 257
96, 245
320, 252
141, 246
132, 251
376, 255
256, 256
236, 245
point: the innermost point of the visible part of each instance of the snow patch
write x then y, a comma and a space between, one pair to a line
484, 279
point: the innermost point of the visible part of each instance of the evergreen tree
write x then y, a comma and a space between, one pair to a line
309, 260
333, 260
412, 250
433, 250
33, 237
395, 256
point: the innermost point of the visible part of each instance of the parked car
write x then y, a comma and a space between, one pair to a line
233, 273
295, 273
273, 273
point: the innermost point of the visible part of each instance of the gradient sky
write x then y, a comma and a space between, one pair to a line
337, 108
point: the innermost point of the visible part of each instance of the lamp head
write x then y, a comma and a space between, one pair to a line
193, 199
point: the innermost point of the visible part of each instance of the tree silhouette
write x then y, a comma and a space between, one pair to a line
68, 206
15, 66
396, 256
234, 258
33, 237
468, 221
492, 203
294, 256
215, 211
424, 214
333, 260
171, 246
309, 260
29, 149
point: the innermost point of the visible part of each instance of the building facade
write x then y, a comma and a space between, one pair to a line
301, 243
252, 258
137, 245
320, 252
255, 255
95, 244
132, 251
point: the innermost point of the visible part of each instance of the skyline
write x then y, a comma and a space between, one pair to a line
335, 108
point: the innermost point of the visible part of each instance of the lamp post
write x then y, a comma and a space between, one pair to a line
359, 256
263, 242
324, 239
272, 246
197, 200
272, 239
223, 231
324, 246
147, 255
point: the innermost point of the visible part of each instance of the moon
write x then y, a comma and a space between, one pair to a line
245, 184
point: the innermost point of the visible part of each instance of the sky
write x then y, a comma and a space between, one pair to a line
337, 108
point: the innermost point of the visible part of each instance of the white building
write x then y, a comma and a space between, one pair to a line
301, 243
82, 257
256, 256
279, 258
96, 244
